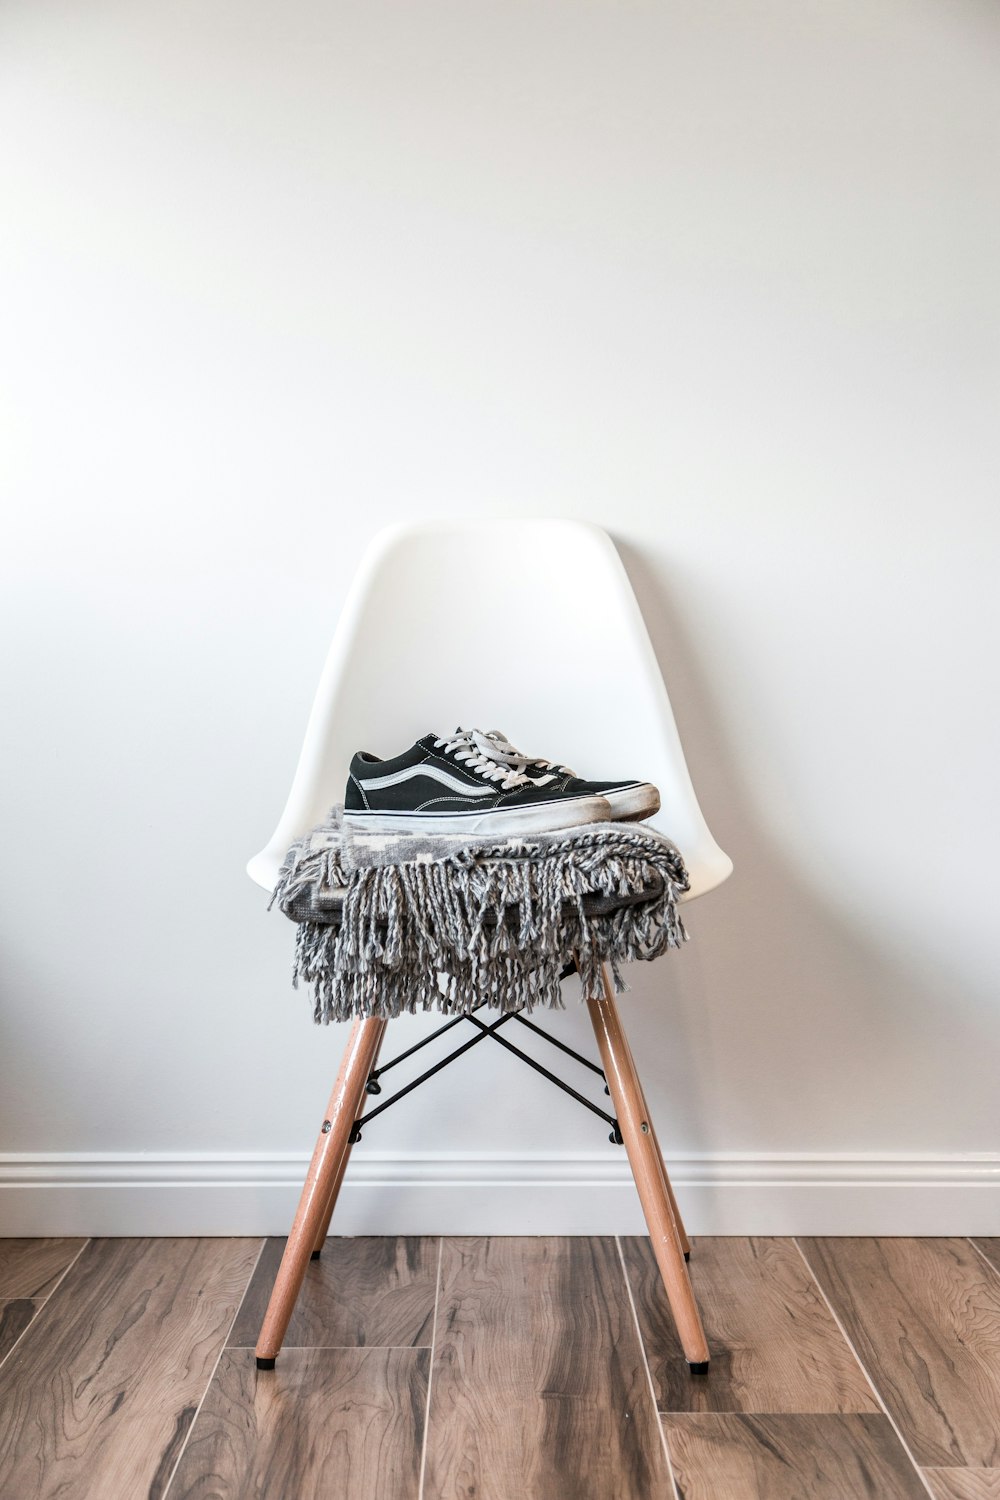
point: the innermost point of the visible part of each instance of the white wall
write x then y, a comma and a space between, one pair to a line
720, 277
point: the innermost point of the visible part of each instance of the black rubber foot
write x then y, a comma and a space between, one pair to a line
268, 1364
316, 1255
696, 1369
687, 1254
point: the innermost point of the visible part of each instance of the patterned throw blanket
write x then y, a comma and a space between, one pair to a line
403, 922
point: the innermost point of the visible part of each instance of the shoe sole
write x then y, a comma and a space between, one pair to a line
633, 803
548, 817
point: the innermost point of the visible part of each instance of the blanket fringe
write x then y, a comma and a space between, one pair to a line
426, 936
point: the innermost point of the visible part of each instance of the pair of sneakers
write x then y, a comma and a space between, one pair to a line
476, 782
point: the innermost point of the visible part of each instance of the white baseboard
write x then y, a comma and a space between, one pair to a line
154, 1193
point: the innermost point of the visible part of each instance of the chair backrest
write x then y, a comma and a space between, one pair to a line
529, 626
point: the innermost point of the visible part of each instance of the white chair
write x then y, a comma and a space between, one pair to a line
530, 626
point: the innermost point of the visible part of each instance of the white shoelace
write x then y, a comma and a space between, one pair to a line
503, 751
491, 755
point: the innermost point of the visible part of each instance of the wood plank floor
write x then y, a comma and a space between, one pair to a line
775, 1346
540, 1386
924, 1317
500, 1368
361, 1291
100, 1391
29, 1271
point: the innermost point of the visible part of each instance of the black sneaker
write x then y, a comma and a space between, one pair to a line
452, 784
630, 801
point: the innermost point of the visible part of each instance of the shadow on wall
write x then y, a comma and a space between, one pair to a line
796, 1031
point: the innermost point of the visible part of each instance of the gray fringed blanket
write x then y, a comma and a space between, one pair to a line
404, 922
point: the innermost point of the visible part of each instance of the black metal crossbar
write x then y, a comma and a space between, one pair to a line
408, 1088
557, 1043
373, 1085
484, 1032
566, 1088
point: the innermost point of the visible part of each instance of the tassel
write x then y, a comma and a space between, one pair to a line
492, 925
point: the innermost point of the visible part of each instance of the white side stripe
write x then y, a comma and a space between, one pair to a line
436, 774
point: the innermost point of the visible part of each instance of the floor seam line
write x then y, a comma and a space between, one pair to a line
430, 1372
285, 1346
44, 1300
863, 1368
208, 1384
649, 1374
982, 1254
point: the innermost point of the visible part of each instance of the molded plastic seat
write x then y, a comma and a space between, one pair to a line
529, 626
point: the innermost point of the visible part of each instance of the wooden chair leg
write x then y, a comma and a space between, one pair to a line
668, 1186
661, 1163
324, 1227
342, 1110
649, 1172
324, 1224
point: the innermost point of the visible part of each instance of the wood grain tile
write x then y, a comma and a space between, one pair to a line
990, 1248
324, 1423
539, 1387
924, 1317
786, 1457
14, 1319
369, 1290
775, 1346
30, 1268
964, 1484
100, 1392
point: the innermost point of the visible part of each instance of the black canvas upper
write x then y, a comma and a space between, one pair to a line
430, 791
566, 781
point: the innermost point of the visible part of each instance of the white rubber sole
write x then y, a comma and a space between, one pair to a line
633, 803
546, 817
